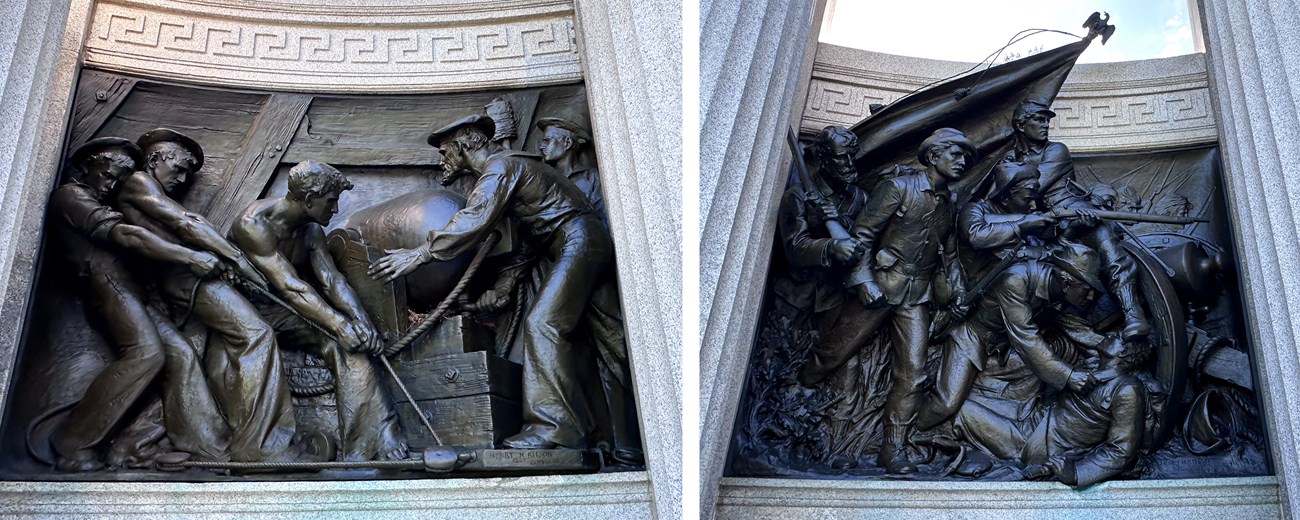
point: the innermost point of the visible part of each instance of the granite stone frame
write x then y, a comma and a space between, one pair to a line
633, 92
1244, 85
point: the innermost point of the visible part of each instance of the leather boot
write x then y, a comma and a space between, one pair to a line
893, 454
1136, 326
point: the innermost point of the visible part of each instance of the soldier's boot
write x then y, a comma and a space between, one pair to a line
893, 451
1136, 326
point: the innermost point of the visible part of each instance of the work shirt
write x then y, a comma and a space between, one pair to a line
1007, 318
1055, 170
587, 179
519, 186
906, 226
82, 227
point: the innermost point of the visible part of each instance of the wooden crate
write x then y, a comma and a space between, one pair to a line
460, 375
477, 421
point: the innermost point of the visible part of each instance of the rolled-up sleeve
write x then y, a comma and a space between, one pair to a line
83, 213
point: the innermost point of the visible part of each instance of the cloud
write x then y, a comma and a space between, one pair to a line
1177, 38
960, 30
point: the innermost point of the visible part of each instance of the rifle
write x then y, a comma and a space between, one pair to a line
1127, 216
833, 225
942, 319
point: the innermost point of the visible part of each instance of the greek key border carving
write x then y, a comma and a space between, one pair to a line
531, 51
1092, 117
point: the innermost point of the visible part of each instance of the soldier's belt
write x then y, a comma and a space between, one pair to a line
910, 269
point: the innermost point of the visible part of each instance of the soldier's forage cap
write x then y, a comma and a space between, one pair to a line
481, 122
167, 135
1030, 106
105, 144
576, 124
1080, 261
944, 136
1006, 174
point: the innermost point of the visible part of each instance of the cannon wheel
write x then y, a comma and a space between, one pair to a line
1169, 341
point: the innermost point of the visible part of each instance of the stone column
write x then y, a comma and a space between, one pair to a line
1255, 85
39, 42
631, 54
755, 63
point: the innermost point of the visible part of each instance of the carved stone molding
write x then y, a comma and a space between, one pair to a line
1188, 499
304, 48
1103, 107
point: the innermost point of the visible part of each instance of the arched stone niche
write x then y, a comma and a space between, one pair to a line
360, 48
1103, 108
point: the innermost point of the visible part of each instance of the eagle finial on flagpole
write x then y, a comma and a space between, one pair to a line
1097, 25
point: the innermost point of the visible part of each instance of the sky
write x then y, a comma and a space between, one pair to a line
969, 31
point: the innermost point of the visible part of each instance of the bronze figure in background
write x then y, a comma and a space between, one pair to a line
564, 146
1030, 123
819, 257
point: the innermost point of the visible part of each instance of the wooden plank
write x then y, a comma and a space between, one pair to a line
258, 157
99, 95
388, 130
480, 421
219, 120
356, 156
459, 375
454, 335
554, 102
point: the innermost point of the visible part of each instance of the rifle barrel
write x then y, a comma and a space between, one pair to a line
1132, 216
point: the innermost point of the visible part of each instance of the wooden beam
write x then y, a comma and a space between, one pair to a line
357, 156
259, 156
99, 95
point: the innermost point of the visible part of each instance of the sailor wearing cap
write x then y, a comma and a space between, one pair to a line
87, 233
555, 218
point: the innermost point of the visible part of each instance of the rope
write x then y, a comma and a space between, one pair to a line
433, 317
31, 450
189, 308
370, 464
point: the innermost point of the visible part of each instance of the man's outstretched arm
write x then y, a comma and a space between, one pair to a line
141, 193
